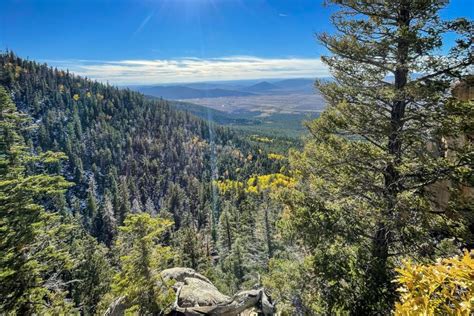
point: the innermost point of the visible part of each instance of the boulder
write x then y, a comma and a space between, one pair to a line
196, 295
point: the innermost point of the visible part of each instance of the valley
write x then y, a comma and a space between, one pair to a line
275, 107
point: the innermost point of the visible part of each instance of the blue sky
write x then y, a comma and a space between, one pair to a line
180, 40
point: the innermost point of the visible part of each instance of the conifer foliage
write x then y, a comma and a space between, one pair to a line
363, 198
32, 240
141, 260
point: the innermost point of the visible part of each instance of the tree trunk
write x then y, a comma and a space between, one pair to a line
268, 233
380, 280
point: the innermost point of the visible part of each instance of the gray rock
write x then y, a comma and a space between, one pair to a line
179, 274
196, 295
195, 292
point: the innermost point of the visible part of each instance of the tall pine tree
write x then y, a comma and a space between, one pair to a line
362, 201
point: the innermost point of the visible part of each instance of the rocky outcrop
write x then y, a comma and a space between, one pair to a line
196, 295
193, 289
441, 191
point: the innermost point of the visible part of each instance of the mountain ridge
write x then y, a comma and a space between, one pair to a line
232, 89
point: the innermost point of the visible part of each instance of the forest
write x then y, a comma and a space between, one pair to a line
371, 213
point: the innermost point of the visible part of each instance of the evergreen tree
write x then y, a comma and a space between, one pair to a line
226, 229
235, 265
34, 255
142, 257
124, 199
362, 200
150, 207
108, 227
136, 206
92, 274
92, 209
192, 249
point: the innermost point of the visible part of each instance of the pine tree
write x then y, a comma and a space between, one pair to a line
136, 206
34, 254
108, 227
150, 207
92, 209
92, 274
226, 230
235, 265
142, 257
362, 202
191, 248
124, 199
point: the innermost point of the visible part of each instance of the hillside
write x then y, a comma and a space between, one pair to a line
297, 84
117, 137
128, 155
212, 115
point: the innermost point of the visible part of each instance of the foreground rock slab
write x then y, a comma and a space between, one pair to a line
196, 295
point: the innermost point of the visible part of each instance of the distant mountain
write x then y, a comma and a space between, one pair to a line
200, 90
260, 87
299, 84
213, 85
184, 92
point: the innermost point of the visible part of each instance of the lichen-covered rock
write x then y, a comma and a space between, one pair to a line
195, 292
194, 289
196, 295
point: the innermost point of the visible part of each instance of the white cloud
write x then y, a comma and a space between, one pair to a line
194, 69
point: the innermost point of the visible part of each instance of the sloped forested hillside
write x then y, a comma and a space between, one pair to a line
121, 145
126, 155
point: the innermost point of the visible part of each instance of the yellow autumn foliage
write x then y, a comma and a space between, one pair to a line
257, 184
225, 186
261, 139
76, 97
443, 288
276, 156
269, 182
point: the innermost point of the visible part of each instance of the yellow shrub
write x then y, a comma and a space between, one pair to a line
443, 288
